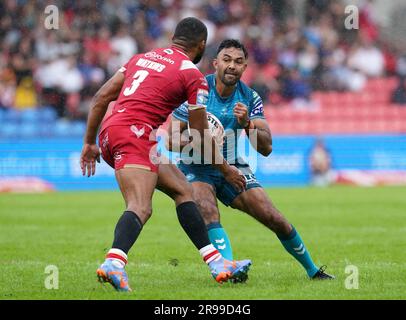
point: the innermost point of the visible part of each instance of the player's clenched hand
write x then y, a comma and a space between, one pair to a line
90, 154
235, 178
241, 113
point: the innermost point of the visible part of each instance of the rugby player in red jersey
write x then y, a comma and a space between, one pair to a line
147, 89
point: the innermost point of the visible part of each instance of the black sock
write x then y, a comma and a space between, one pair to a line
193, 224
127, 230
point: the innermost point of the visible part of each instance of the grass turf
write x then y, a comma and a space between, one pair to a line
340, 226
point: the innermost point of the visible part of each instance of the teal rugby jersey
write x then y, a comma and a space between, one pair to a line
222, 108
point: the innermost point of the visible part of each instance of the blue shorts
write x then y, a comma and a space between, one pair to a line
225, 192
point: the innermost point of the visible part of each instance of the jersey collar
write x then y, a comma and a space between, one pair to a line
213, 80
180, 51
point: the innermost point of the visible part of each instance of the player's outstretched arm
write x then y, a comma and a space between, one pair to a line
107, 93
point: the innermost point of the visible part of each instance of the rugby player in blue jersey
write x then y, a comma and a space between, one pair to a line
238, 108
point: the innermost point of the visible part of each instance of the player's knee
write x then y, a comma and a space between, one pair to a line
269, 215
182, 193
275, 219
277, 222
142, 211
208, 211
239, 204
185, 190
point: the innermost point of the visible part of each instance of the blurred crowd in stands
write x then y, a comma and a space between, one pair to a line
291, 54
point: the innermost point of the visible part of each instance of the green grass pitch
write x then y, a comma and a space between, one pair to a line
341, 226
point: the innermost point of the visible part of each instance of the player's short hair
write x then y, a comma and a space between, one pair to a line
232, 43
190, 31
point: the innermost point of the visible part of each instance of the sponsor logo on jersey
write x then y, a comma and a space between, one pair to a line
213, 120
168, 51
155, 56
250, 179
258, 109
117, 156
202, 97
138, 132
105, 141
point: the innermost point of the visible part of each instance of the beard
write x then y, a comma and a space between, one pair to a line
199, 56
230, 82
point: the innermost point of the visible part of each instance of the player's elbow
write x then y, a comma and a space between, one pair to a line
101, 96
266, 151
100, 100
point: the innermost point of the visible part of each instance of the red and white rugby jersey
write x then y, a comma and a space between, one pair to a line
155, 84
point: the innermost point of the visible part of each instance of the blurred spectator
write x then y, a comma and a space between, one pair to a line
124, 45
290, 55
7, 88
47, 47
295, 87
399, 95
307, 60
217, 11
320, 164
367, 58
72, 81
262, 51
401, 66
368, 20
25, 95
99, 46
262, 88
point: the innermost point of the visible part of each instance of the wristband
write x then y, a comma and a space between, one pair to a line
196, 106
248, 124
249, 127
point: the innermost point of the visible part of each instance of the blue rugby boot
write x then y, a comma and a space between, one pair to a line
115, 275
223, 270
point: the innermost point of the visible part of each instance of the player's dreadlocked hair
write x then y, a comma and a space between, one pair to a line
190, 31
232, 43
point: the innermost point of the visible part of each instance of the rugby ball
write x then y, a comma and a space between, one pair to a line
215, 127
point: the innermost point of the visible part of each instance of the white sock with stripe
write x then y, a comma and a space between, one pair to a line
118, 257
209, 253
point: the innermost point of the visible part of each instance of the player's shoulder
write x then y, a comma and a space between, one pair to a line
249, 93
210, 80
188, 66
179, 58
130, 62
183, 61
190, 73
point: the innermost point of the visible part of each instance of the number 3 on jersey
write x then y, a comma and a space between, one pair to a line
139, 77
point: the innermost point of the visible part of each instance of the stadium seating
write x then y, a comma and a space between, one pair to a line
368, 111
34, 123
